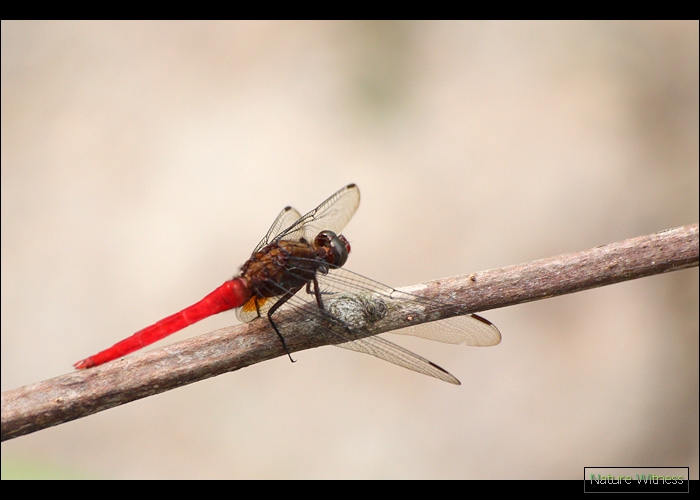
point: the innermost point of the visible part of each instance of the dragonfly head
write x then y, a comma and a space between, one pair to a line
337, 246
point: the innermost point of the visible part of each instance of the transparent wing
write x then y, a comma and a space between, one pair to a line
331, 215
360, 295
383, 349
286, 218
471, 330
256, 307
353, 302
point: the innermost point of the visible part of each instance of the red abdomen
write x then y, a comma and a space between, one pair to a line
231, 294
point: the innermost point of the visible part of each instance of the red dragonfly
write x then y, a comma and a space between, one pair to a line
308, 253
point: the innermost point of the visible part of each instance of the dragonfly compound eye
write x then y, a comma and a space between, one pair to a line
339, 246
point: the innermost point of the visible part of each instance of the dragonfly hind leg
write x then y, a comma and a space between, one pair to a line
288, 295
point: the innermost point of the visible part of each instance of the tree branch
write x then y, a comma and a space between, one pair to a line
80, 393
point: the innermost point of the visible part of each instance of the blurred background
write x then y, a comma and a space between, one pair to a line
142, 162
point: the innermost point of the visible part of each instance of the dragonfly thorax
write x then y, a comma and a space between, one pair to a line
288, 264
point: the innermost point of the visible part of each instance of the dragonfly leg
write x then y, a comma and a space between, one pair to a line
288, 295
316, 292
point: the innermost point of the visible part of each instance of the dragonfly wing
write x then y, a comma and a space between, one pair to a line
331, 215
249, 311
286, 218
383, 349
471, 330
256, 307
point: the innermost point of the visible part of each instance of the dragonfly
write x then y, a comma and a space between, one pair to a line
298, 267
